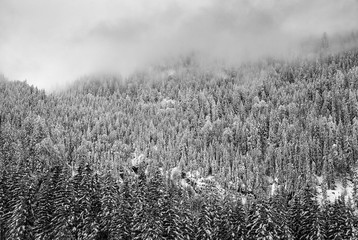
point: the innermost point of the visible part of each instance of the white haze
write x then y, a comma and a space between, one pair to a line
52, 42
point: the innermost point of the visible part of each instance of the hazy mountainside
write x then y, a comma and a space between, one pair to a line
292, 121
295, 118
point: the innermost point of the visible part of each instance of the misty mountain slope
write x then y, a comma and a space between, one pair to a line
284, 125
295, 122
179, 119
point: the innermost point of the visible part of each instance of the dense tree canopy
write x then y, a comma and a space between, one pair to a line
65, 157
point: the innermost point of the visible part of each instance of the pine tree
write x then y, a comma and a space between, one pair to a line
122, 226
148, 224
5, 198
82, 222
171, 216
340, 221
236, 221
94, 207
294, 217
20, 225
282, 216
21, 217
204, 229
109, 216
262, 222
45, 223
219, 218
139, 190
187, 214
62, 206
311, 219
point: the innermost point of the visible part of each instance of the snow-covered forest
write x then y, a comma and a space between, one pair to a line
264, 150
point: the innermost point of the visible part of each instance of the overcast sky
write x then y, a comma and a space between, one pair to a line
50, 42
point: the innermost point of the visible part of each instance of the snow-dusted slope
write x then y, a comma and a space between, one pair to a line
335, 194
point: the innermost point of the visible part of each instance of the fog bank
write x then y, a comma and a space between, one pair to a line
50, 43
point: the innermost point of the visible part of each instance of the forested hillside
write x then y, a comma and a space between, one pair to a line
66, 158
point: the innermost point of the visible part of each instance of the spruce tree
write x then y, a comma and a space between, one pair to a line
21, 216
263, 223
170, 215
294, 217
340, 221
45, 209
236, 221
148, 224
5, 197
312, 225
109, 216
204, 228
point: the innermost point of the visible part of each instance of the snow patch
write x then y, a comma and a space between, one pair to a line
335, 194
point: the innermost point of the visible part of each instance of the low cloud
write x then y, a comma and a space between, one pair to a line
50, 43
